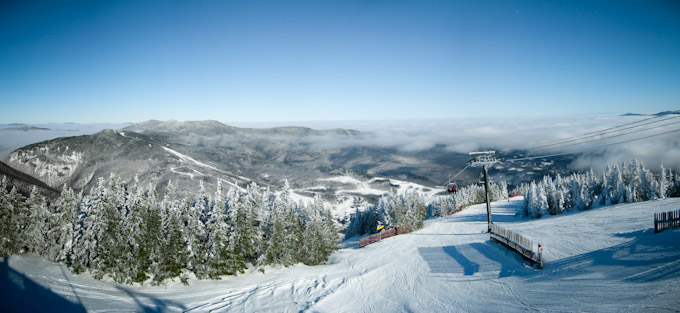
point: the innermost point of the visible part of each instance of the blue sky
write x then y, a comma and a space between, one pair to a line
243, 61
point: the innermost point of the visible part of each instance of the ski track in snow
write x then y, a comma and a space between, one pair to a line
604, 259
189, 159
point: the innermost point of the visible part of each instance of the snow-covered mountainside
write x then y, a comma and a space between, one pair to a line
209, 151
605, 259
25, 183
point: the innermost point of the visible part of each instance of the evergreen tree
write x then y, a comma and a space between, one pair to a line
533, 201
174, 249
196, 232
220, 239
148, 237
313, 244
11, 204
293, 236
263, 226
542, 202
329, 231
35, 226
126, 234
84, 255
114, 255
62, 225
275, 250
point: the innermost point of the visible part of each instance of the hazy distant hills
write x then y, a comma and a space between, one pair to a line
188, 152
25, 128
656, 114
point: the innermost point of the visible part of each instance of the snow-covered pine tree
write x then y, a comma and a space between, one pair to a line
247, 232
148, 237
294, 235
416, 210
62, 225
560, 201
385, 211
84, 234
220, 239
362, 222
637, 188
11, 203
34, 220
262, 211
84, 255
276, 248
542, 201
312, 238
330, 231
114, 255
674, 184
576, 193
174, 250
174, 253
196, 233
503, 193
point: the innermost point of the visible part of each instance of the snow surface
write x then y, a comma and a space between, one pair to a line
605, 259
188, 159
345, 206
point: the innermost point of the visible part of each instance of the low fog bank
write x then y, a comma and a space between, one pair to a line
12, 138
518, 134
528, 134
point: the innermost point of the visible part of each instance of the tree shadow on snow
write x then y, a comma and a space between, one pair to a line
474, 258
647, 257
495, 217
149, 304
19, 293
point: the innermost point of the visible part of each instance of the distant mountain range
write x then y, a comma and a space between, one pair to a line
656, 114
25, 128
209, 151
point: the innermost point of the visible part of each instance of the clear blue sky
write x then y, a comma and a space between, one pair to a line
128, 61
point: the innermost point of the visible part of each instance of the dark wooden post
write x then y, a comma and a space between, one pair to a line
655, 229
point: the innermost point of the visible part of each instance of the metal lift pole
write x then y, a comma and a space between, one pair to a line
485, 159
486, 192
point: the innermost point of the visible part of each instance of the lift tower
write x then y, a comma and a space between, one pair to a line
485, 159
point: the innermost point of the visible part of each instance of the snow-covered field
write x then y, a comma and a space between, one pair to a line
353, 187
606, 259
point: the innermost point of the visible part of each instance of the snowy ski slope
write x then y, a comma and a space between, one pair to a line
606, 259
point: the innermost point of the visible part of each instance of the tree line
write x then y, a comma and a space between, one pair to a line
623, 183
392, 210
410, 208
132, 235
466, 196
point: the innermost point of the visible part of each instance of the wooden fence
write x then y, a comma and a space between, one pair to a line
666, 220
384, 234
460, 208
518, 243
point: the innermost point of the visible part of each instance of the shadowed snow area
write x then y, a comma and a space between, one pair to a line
605, 259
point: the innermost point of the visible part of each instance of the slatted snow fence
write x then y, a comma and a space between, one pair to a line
518, 243
666, 220
384, 234
460, 208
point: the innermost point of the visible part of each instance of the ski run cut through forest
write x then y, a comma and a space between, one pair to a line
600, 259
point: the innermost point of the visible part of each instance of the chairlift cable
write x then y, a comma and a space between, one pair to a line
454, 176
601, 132
592, 148
609, 137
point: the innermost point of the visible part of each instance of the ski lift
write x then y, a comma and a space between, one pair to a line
481, 180
452, 188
